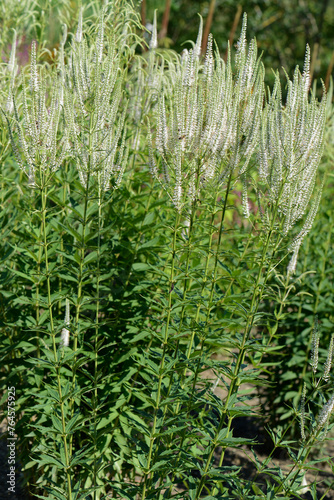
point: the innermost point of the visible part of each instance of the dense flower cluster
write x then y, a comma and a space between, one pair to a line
325, 413
92, 97
85, 97
211, 121
207, 119
39, 149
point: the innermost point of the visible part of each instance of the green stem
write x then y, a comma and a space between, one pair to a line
281, 439
64, 213
80, 277
139, 235
278, 315
213, 282
96, 337
316, 303
299, 464
81, 266
162, 364
187, 282
189, 348
235, 382
67, 452
39, 261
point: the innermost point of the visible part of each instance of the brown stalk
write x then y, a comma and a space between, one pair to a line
165, 20
208, 25
329, 70
314, 57
143, 12
143, 20
234, 28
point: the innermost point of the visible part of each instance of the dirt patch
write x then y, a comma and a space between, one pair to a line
252, 428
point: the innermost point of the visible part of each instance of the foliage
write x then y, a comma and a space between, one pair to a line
149, 206
309, 302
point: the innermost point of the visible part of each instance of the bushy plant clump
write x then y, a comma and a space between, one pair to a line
305, 302
153, 209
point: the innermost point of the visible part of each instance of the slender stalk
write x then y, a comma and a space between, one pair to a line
189, 348
37, 306
80, 278
81, 265
187, 282
165, 19
67, 451
299, 464
139, 235
207, 27
278, 314
96, 336
284, 433
317, 300
330, 487
213, 283
235, 382
61, 258
163, 357
186, 286
234, 28
318, 294
127, 281
134, 379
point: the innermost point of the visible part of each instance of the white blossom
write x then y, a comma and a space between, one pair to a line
65, 333
325, 413
207, 120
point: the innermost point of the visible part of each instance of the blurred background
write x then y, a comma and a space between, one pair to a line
282, 28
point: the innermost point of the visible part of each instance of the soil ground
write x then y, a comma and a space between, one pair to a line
251, 428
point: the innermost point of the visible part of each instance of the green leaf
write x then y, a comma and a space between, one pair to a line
57, 493
140, 267
73, 421
223, 472
57, 423
149, 219
49, 460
